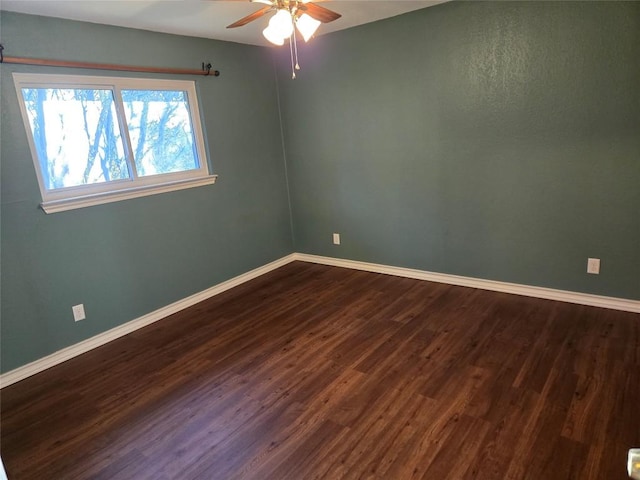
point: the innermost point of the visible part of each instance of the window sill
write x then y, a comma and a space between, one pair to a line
54, 206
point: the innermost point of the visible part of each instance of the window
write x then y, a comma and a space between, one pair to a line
100, 139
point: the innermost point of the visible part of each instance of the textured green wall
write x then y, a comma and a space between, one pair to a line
489, 139
498, 140
126, 259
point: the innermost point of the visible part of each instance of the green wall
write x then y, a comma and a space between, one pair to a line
126, 259
497, 140
489, 139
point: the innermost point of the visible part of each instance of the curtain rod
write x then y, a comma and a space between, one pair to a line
205, 71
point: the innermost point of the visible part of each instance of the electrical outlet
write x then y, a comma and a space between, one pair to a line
593, 265
336, 239
78, 312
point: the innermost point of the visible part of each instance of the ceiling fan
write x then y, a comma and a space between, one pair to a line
296, 7
290, 16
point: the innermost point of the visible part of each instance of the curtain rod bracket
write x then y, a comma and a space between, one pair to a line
207, 68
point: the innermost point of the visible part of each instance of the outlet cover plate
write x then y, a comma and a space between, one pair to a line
593, 266
78, 312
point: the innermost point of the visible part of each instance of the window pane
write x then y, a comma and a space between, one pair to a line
160, 131
76, 135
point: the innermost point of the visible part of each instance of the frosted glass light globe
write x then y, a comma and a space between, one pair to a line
273, 36
282, 23
307, 26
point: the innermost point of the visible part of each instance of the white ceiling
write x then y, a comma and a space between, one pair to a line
204, 18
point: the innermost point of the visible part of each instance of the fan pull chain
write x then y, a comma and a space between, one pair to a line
295, 48
293, 71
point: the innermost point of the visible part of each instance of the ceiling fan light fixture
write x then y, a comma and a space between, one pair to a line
290, 17
273, 35
307, 26
282, 23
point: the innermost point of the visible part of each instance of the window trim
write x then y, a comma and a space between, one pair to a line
81, 196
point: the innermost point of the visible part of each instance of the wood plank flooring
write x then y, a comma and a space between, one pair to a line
316, 372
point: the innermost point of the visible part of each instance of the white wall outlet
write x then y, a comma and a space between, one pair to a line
593, 265
78, 312
336, 239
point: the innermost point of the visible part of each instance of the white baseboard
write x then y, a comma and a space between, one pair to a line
514, 288
60, 356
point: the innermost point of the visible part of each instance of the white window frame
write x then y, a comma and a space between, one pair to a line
69, 198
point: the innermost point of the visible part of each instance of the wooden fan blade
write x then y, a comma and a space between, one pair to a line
250, 18
321, 14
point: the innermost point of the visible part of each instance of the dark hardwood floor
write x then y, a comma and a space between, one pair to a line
321, 372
